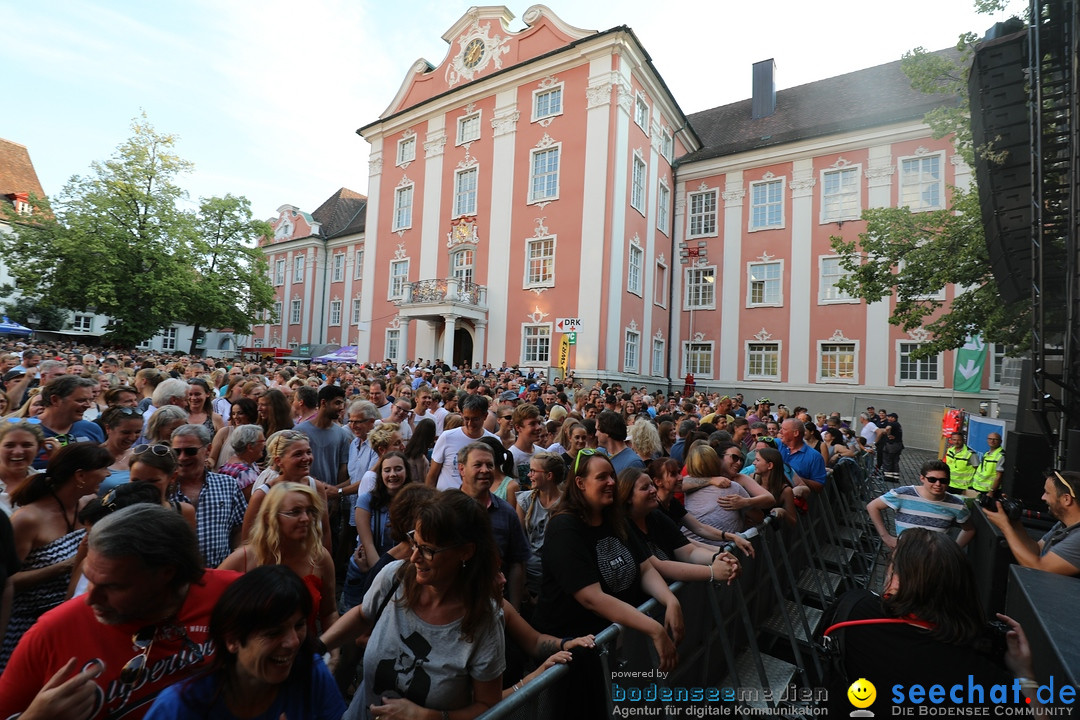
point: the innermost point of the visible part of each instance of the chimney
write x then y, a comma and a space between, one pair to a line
763, 103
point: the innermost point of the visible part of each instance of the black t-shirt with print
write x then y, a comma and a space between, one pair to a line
577, 555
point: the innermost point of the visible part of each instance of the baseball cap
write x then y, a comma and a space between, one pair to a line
509, 396
534, 386
764, 401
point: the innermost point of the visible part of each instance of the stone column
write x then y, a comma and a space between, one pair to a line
448, 338
403, 341
479, 348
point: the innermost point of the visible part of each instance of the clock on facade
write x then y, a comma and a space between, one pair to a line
474, 53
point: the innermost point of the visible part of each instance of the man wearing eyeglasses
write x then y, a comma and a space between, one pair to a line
929, 506
142, 625
1059, 549
443, 472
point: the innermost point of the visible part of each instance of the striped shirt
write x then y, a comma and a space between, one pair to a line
913, 510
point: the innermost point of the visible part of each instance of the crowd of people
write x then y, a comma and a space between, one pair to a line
439, 535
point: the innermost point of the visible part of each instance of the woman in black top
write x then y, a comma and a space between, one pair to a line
931, 586
673, 554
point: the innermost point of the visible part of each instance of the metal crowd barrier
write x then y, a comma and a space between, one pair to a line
744, 638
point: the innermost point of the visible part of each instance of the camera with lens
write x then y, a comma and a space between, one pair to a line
1011, 508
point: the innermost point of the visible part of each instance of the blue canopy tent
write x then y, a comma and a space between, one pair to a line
344, 354
7, 327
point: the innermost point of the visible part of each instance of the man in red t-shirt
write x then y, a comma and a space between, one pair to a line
142, 625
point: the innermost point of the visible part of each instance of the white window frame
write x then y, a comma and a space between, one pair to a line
406, 150
393, 342
531, 245
298, 268
667, 144
635, 270
779, 280
756, 347
938, 364
639, 180
82, 323
641, 112
998, 353
403, 211
765, 184
920, 184
556, 149
830, 215
356, 306
296, 311
702, 349
279, 271
540, 93
542, 331
279, 308
663, 207
708, 221
147, 344
631, 351
701, 272
337, 274
464, 196
464, 123
168, 339
659, 354
832, 347
399, 276
828, 293
461, 270
661, 281
358, 270
335, 312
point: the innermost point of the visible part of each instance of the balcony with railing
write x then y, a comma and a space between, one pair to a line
426, 298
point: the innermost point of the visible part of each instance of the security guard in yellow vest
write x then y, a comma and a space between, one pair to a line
991, 465
961, 461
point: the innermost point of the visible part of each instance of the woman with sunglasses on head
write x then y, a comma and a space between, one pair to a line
265, 665
48, 533
673, 555
769, 473
290, 461
123, 426
597, 573
200, 401
20, 441
437, 640
667, 477
156, 465
241, 412
288, 532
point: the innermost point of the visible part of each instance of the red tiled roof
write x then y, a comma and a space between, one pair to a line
343, 213
17, 173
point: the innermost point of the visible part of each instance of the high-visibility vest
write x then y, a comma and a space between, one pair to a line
961, 471
986, 473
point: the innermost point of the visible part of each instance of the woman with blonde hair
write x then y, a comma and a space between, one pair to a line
290, 459
645, 439
287, 532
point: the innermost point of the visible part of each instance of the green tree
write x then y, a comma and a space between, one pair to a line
118, 242
230, 285
47, 317
916, 255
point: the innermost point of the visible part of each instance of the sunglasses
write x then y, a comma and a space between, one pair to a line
135, 669
935, 479
1065, 483
584, 452
128, 411
188, 451
159, 449
32, 421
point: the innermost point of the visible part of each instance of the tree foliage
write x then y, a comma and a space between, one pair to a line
230, 285
119, 243
916, 255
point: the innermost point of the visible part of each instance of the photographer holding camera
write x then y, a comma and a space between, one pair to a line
1059, 549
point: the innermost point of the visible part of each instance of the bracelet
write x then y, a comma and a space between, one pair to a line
1027, 682
517, 686
712, 576
320, 647
562, 643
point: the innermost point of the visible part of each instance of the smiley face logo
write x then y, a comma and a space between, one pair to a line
862, 693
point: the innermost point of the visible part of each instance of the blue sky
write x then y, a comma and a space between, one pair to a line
266, 95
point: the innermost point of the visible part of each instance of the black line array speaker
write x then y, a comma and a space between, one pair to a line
1027, 455
999, 120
